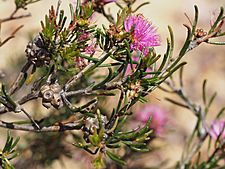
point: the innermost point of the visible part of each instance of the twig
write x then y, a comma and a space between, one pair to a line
13, 17
108, 16
193, 151
198, 41
199, 113
87, 91
31, 96
31, 119
23, 100
54, 128
11, 36
182, 95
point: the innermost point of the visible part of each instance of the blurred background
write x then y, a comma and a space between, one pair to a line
204, 62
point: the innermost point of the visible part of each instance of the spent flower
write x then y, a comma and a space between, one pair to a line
143, 33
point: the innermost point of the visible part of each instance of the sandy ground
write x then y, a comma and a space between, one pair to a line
206, 62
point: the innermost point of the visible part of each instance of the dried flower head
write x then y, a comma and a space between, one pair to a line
144, 33
50, 94
134, 90
36, 53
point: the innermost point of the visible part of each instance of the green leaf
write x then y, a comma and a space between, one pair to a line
141, 5
121, 17
106, 55
211, 99
78, 9
113, 146
204, 92
185, 46
98, 162
88, 58
146, 127
218, 19
87, 10
108, 78
115, 158
143, 150
195, 21
221, 112
216, 43
95, 139
71, 12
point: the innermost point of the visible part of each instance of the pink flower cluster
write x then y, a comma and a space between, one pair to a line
158, 114
143, 32
91, 48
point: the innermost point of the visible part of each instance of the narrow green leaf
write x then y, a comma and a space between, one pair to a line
195, 21
204, 92
112, 146
98, 63
141, 5
94, 139
185, 46
171, 72
78, 9
139, 149
8, 98
177, 103
218, 19
71, 13
15, 143
216, 43
220, 113
115, 158
105, 80
211, 100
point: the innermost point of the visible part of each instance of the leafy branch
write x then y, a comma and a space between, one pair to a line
200, 131
9, 152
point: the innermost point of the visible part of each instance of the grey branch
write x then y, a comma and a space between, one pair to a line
53, 128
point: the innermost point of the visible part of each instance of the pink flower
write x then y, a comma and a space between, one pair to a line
144, 33
159, 117
91, 48
80, 62
84, 36
217, 129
